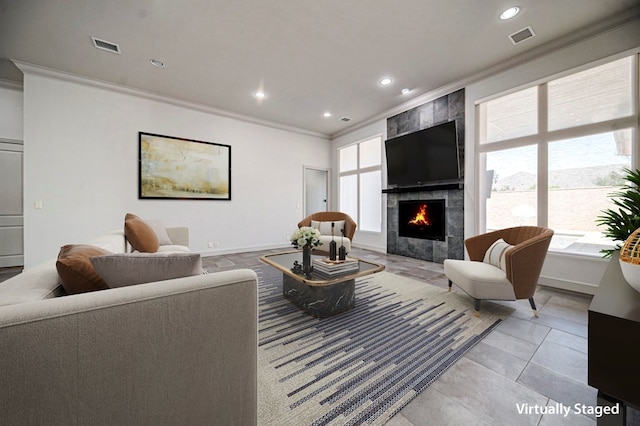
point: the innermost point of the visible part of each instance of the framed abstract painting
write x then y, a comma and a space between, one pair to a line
177, 168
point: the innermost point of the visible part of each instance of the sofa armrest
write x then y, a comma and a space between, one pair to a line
180, 351
179, 235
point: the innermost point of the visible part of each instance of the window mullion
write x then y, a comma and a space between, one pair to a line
543, 155
358, 184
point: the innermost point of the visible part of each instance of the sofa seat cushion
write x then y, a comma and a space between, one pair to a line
140, 235
76, 271
119, 270
479, 280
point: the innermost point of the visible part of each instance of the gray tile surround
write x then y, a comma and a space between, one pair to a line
446, 108
433, 251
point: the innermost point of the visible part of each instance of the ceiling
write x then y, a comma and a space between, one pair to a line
309, 57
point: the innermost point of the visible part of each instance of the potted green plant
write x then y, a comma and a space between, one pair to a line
624, 218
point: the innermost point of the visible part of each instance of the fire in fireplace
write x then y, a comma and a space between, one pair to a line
422, 219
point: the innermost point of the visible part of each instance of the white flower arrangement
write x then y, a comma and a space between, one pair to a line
305, 236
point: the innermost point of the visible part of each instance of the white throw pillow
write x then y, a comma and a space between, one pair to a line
325, 227
495, 254
123, 269
160, 230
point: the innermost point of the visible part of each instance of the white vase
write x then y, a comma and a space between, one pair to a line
631, 273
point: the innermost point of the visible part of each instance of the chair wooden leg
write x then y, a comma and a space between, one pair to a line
476, 305
450, 284
533, 307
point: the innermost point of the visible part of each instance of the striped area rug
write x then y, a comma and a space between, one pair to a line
363, 366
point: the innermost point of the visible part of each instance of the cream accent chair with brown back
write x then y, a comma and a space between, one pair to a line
503, 265
323, 220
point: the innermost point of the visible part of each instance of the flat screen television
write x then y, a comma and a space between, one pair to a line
424, 157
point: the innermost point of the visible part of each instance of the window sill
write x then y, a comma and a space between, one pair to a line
584, 245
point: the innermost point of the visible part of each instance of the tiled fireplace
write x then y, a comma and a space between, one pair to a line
431, 249
443, 237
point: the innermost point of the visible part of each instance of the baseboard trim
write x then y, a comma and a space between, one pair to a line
372, 248
234, 250
11, 261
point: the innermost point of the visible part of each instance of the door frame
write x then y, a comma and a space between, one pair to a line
14, 222
304, 187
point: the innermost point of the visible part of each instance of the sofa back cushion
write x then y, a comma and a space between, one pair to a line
76, 271
119, 270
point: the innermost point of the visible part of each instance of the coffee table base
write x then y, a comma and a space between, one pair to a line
320, 301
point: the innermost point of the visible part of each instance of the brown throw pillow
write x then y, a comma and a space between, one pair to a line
140, 235
76, 271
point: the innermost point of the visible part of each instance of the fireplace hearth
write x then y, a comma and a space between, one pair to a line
423, 219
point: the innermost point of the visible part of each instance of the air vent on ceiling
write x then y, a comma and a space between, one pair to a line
522, 35
345, 119
106, 45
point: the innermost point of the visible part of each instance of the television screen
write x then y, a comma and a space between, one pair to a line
423, 157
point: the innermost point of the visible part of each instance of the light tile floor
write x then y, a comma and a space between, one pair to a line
525, 362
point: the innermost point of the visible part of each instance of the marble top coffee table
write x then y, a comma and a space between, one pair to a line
315, 294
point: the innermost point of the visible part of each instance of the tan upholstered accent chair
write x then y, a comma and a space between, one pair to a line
522, 265
349, 229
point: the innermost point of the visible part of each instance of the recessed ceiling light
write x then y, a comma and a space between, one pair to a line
326, 114
260, 94
509, 13
156, 63
406, 90
386, 81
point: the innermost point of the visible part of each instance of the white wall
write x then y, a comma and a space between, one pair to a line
80, 158
370, 240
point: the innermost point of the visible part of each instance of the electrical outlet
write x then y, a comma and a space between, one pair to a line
216, 244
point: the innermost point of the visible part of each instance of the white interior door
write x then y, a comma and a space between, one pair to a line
316, 184
11, 217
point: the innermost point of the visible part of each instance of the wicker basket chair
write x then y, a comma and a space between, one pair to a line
331, 216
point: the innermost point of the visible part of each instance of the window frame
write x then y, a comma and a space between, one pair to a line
544, 137
358, 171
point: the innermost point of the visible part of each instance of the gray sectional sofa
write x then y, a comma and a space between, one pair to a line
180, 351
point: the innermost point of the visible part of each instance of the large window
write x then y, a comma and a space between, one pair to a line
551, 154
360, 184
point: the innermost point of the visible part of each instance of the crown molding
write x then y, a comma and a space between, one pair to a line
41, 71
12, 141
608, 24
11, 84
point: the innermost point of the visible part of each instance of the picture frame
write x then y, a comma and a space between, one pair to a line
177, 168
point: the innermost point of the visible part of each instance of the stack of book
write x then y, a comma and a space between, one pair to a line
327, 268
